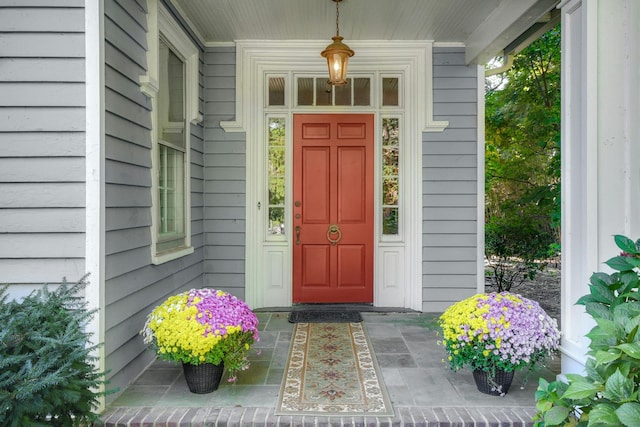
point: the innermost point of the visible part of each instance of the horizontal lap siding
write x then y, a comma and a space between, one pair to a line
225, 185
134, 286
450, 195
42, 105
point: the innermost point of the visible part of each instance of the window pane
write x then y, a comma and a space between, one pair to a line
171, 187
390, 91
390, 221
361, 91
390, 132
343, 93
390, 191
276, 221
276, 91
390, 175
276, 191
276, 176
305, 91
171, 116
390, 161
323, 92
175, 81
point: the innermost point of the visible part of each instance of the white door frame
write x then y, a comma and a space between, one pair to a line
397, 263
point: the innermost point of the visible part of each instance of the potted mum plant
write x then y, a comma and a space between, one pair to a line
206, 330
496, 334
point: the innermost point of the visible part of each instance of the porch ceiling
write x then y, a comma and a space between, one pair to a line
484, 26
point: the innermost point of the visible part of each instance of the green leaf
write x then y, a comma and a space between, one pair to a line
618, 388
593, 371
603, 414
629, 414
581, 390
600, 278
620, 263
598, 310
603, 357
625, 243
556, 415
602, 293
630, 349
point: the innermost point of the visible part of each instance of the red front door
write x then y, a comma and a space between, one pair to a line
333, 208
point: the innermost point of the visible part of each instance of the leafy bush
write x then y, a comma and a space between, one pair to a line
608, 394
47, 375
515, 244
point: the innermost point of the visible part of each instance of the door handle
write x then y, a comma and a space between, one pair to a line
334, 229
298, 230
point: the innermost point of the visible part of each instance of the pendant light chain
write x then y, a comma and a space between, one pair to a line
337, 17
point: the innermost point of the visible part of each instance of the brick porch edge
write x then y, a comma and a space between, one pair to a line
264, 417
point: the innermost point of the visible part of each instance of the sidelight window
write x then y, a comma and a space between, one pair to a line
390, 175
276, 176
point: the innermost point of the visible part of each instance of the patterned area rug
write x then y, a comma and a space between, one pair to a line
332, 371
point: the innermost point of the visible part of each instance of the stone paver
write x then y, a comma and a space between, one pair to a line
423, 390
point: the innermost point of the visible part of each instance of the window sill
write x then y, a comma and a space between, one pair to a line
161, 258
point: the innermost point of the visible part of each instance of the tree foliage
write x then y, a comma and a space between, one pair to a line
523, 132
522, 158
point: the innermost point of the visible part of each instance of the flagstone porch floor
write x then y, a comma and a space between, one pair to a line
423, 390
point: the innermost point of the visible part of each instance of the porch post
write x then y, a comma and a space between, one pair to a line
94, 174
600, 140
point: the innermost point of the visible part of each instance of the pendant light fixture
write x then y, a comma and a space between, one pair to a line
337, 54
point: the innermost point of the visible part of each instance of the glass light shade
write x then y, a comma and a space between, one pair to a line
337, 54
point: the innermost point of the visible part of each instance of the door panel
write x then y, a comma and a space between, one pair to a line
333, 208
316, 180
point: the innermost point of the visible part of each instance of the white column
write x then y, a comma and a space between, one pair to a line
600, 147
94, 173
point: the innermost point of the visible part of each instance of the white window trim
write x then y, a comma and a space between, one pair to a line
161, 23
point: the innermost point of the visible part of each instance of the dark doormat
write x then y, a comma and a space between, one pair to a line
317, 316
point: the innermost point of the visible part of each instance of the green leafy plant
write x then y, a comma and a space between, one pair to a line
47, 371
515, 244
608, 394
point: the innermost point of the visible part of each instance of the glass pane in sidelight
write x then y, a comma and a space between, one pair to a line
390, 161
276, 221
276, 175
390, 188
390, 221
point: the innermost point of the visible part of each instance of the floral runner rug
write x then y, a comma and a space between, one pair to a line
332, 370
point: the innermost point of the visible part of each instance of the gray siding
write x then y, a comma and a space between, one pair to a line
41, 143
224, 172
450, 188
133, 284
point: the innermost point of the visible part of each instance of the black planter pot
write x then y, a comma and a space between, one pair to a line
497, 385
203, 378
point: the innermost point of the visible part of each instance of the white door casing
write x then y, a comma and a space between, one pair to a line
397, 261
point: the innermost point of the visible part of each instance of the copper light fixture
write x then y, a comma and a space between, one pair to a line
337, 54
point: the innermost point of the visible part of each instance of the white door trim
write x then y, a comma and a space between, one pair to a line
256, 59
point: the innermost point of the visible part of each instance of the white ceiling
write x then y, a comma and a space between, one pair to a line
489, 24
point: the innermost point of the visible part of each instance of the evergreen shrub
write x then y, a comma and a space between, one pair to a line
47, 371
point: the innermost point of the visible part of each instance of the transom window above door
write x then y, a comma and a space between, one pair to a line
316, 91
